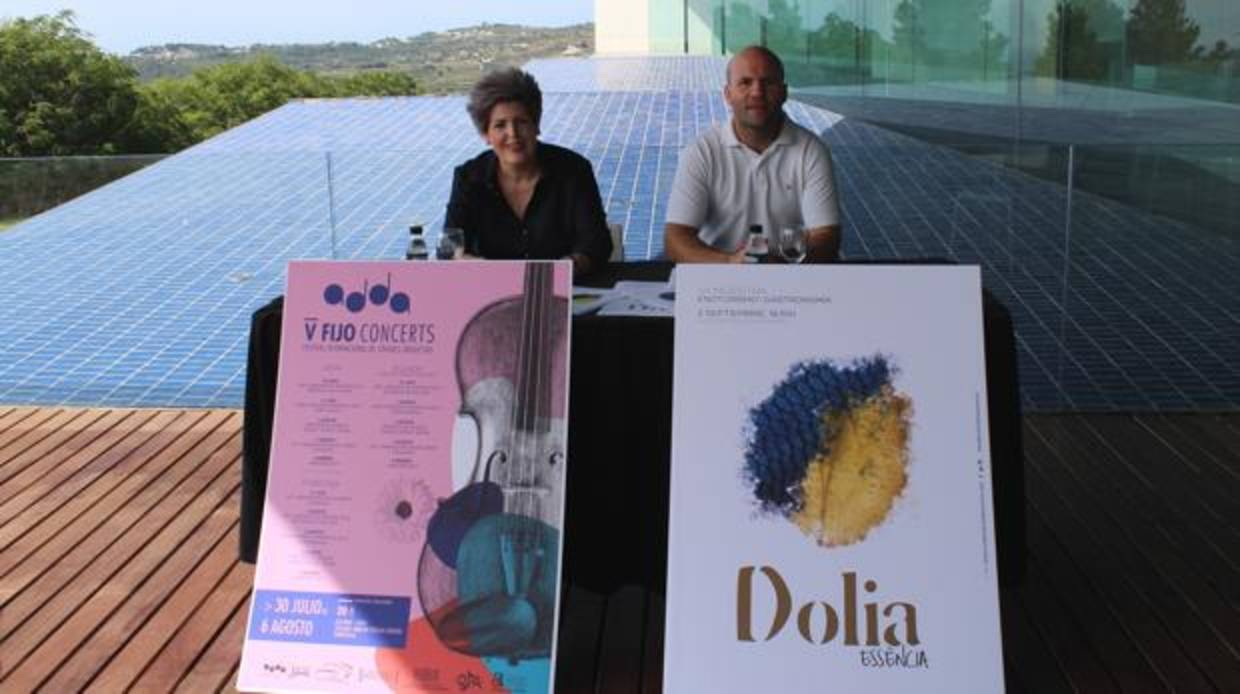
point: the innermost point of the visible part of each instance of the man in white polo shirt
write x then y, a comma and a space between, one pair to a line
758, 168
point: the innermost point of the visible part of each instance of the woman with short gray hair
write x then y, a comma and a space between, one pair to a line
524, 198
503, 85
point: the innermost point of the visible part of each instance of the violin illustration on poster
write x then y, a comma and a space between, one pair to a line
412, 531
489, 568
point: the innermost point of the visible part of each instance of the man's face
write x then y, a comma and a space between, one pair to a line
755, 91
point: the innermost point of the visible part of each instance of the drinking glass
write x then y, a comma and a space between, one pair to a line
792, 244
451, 244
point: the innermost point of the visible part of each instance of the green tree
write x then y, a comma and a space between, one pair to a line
991, 45
1159, 32
176, 113
1074, 48
375, 83
60, 94
836, 41
742, 27
908, 31
159, 123
841, 43
956, 39
221, 97
784, 34
908, 41
1219, 53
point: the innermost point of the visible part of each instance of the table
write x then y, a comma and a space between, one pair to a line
619, 444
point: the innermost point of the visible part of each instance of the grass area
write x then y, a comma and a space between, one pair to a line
6, 222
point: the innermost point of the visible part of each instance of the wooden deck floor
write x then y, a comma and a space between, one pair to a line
118, 568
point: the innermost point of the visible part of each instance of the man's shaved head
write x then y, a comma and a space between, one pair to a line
757, 51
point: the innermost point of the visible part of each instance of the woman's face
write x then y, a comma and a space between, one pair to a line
511, 133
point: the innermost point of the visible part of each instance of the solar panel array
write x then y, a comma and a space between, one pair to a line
140, 293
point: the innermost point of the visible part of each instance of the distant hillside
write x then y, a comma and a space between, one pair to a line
445, 61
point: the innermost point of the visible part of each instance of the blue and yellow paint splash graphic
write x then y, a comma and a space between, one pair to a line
828, 448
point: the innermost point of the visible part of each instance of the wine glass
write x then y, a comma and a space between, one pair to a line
792, 244
451, 244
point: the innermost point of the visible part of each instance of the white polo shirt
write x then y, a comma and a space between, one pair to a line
722, 186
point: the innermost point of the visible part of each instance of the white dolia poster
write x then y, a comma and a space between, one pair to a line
831, 523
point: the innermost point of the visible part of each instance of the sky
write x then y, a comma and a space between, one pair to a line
119, 26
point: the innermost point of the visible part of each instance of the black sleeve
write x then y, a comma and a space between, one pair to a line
457, 214
591, 237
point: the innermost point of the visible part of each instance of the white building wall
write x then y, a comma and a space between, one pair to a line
621, 26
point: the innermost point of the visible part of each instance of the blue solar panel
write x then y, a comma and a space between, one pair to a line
630, 74
140, 292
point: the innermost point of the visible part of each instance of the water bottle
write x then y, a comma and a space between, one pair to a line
417, 244
756, 247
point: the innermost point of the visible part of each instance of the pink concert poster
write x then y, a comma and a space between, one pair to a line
411, 536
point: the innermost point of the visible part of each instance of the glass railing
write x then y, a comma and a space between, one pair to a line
1117, 264
1153, 47
29, 186
1151, 301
